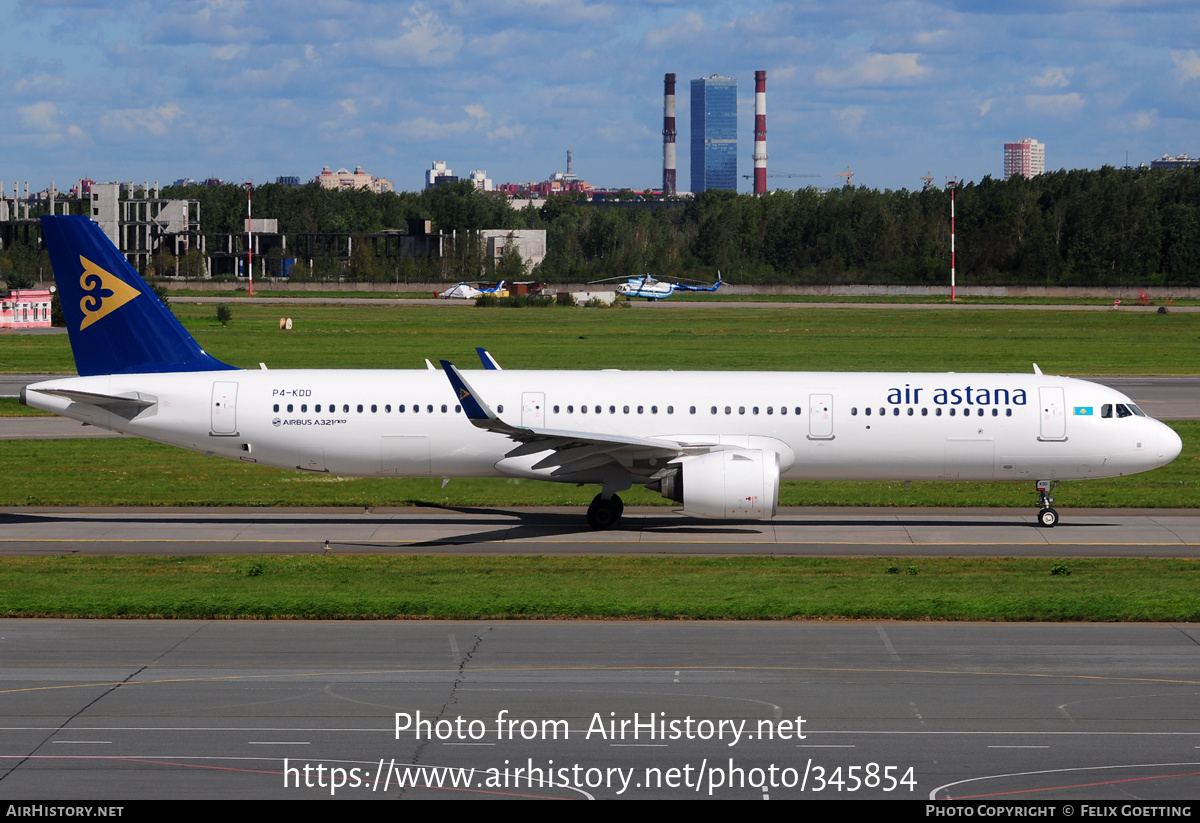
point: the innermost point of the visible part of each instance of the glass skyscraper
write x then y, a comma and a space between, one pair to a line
714, 133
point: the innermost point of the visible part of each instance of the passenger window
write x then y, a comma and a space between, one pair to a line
400, 408
691, 410
853, 411
597, 410
755, 410
924, 412
444, 409
867, 411
499, 409
416, 408
896, 412
625, 409
654, 409
910, 411
570, 409
556, 409
728, 410
1008, 412
937, 412
797, 410
387, 408
583, 409
770, 409
952, 412
612, 409
670, 409
741, 409
457, 409
783, 409
429, 409
303, 407
345, 408
995, 412
714, 409
276, 407
640, 409
289, 407
360, 408
374, 408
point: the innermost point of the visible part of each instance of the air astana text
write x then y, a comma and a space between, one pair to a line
965, 395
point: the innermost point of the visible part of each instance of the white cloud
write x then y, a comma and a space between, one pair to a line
1187, 64
424, 40
1059, 104
41, 116
850, 119
1054, 78
229, 52
986, 106
868, 69
152, 120
682, 29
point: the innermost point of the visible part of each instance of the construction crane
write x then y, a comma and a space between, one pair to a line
928, 178
849, 175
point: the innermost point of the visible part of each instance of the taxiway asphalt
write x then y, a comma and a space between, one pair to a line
795, 532
180, 709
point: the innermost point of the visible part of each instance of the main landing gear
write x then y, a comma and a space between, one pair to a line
1047, 516
604, 514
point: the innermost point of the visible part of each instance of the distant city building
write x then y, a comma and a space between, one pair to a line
182, 181
558, 183
1026, 157
439, 174
357, 179
714, 133
1181, 161
482, 181
292, 181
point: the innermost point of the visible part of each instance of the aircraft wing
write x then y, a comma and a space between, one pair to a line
572, 451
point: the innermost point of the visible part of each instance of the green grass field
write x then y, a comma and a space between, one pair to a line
784, 339
375, 586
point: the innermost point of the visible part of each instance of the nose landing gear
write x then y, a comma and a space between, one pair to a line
1047, 516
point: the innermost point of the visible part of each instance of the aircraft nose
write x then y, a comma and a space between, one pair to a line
1169, 444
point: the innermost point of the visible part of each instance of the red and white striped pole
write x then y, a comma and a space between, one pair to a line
668, 183
250, 238
953, 185
760, 132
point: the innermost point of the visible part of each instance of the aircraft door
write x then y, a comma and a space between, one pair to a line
533, 410
224, 408
1053, 413
820, 417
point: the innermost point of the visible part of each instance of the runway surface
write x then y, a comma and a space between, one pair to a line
848, 532
116, 710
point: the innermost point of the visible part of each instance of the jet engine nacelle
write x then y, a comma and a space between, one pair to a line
733, 484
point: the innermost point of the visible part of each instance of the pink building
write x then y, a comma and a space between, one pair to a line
1026, 157
25, 309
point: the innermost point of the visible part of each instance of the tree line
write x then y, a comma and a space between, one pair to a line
1106, 227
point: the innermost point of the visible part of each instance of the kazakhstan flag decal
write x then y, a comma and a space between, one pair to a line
1083, 411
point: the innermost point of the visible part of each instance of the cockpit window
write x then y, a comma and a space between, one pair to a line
1136, 410
1106, 410
1123, 410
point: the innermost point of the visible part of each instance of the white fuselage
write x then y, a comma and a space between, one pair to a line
850, 426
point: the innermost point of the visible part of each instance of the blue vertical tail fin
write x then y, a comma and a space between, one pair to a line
116, 322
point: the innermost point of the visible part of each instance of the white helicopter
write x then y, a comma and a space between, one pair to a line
650, 288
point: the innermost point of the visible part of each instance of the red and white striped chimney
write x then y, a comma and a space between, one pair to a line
668, 183
760, 132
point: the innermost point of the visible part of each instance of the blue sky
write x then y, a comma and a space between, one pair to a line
254, 90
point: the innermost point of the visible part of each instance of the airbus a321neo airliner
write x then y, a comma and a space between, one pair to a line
718, 443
